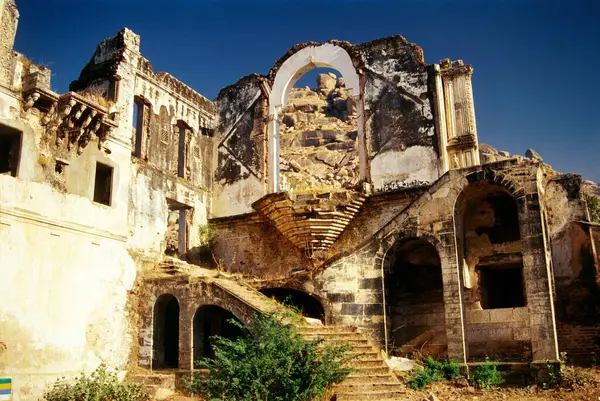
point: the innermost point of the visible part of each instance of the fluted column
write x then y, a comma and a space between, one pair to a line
462, 146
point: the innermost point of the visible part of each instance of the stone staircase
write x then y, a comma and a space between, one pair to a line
371, 378
312, 222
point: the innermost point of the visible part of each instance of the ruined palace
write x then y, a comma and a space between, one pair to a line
137, 216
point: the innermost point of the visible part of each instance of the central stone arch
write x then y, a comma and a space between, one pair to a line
326, 55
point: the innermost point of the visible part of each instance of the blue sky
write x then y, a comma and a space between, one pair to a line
536, 81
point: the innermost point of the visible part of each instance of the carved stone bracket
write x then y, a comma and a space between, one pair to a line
71, 117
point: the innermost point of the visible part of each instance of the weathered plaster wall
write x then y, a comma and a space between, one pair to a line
239, 159
399, 122
63, 257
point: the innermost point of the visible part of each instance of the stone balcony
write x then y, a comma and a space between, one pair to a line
71, 119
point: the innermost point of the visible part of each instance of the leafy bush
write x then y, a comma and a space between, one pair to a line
100, 385
486, 376
269, 361
421, 379
451, 369
433, 370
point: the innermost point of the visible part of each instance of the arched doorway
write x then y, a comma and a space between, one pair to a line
165, 339
212, 320
415, 299
309, 305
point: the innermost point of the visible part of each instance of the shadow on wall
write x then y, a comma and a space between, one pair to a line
308, 305
209, 321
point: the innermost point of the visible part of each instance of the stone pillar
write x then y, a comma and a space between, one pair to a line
9, 19
186, 319
273, 159
538, 280
441, 120
460, 113
453, 300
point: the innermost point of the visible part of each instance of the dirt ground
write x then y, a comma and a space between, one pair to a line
446, 391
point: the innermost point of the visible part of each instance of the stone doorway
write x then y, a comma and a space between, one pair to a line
165, 349
415, 300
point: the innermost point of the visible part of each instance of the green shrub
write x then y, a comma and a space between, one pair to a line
269, 361
450, 369
418, 380
100, 385
433, 370
486, 376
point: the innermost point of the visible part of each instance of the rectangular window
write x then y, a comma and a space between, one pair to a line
182, 153
103, 184
10, 151
502, 286
138, 124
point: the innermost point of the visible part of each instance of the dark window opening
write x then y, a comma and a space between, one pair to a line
183, 150
501, 286
308, 305
165, 348
415, 273
505, 226
138, 124
212, 321
103, 184
10, 151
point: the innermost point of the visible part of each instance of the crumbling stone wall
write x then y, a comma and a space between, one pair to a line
240, 154
399, 123
9, 18
397, 143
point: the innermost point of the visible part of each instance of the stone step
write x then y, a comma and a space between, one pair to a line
367, 363
371, 379
370, 370
154, 379
372, 393
326, 329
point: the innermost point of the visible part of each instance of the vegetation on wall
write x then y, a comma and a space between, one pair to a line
101, 385
593, 204
269, 361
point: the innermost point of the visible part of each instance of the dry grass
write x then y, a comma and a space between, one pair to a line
97, 96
